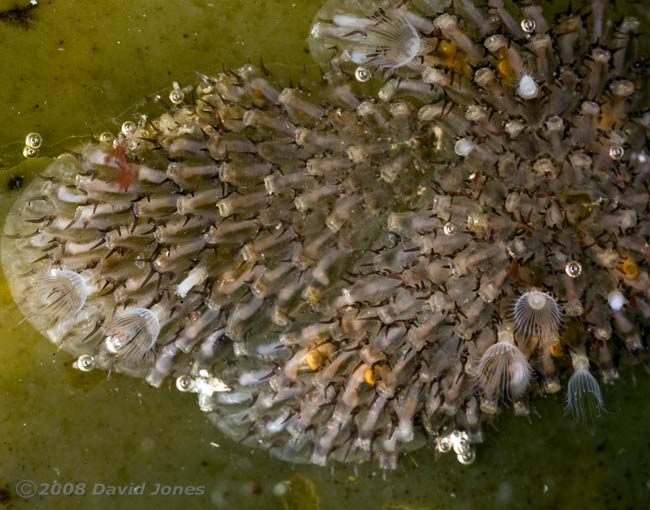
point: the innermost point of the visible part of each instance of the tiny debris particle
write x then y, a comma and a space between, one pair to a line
15, 182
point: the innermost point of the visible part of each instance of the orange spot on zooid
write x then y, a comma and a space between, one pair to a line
506, 71
125, 177
447, 51
369, 376
448, 55
556, 350
317, 356
629, 268
314, 360
125, 169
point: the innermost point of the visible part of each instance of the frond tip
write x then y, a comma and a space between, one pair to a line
59, 295
377, 35
536, 313
584, 398
387, 41
503, 371
131, 335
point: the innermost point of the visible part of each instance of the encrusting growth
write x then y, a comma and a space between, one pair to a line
346, 275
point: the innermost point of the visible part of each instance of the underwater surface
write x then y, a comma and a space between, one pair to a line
68, 68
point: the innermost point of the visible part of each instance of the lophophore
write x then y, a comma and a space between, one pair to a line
342, 274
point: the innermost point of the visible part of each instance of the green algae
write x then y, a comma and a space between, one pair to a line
77, 68
301, 494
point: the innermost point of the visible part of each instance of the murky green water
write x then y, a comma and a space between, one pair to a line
68, 67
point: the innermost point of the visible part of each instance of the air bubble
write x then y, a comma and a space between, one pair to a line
467, 458
184, 383
362, 74
176, 96
85, 363
106, 138
528, 25
616, 152
449, 229
128, 128
462, 447
573, 268
33, 140
29, 152
444, 444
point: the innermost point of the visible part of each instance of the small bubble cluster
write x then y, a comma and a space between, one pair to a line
33, 142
